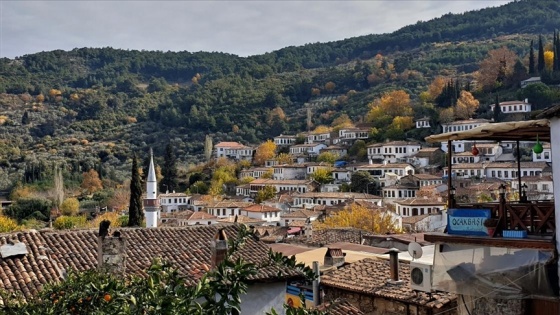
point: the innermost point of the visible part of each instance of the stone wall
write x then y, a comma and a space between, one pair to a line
490, 306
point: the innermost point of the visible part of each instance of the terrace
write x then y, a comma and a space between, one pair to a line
513, 259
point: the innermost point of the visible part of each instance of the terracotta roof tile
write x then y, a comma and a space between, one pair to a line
369, 277
186, 248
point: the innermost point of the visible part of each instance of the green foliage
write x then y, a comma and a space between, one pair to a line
70, 222
135, 213
266, 193
360, 180
29, 208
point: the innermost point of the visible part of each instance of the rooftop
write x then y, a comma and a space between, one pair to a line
369, 276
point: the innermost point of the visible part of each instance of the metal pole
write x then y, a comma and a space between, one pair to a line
449, 183
316, 295
519, 170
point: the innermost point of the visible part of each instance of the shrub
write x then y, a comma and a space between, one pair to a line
70, 206
8, 224
113, 217
67, 223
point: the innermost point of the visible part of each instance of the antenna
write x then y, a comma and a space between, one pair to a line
415, 250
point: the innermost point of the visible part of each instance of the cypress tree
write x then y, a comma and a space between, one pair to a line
556, 50
532, 60
169, 169
25, 118
135, 212
497, 110
540, 63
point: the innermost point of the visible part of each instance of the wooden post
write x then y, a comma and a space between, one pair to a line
450, 202
519, 171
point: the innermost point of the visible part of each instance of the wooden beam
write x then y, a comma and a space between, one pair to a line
533, 243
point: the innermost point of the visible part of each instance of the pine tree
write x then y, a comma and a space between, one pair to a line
541, 64
497, 110
169, 169
135, 212
532, 60
555, 49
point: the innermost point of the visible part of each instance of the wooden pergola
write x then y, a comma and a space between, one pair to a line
531, 130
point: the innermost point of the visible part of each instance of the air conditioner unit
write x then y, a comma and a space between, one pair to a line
420, 276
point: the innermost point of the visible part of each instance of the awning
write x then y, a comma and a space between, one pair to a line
512, 131
294, 230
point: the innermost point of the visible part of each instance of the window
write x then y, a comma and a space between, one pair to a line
545, 187
546, 155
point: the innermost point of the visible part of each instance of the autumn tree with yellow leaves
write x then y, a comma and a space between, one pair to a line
358, 216
466, 105
265, 151
496, 69
91, 182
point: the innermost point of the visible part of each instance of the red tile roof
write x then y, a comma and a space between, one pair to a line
261, 208
369, 277
186, 248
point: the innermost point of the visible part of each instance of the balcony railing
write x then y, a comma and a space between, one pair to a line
537, 218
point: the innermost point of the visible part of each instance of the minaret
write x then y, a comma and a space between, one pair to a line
151, 202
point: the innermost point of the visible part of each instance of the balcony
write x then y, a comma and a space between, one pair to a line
536, 218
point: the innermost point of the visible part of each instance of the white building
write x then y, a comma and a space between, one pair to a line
425, 223
512, 107
350, 135
309, 148
341, 175
545, 155
284, 140
508, 171
461, 125
185, 218
255, 172
224, 209
380, 170
336, 150
310, 200
292, 185
268, 214
173, 202
419, 206
151, 202
234, 150
423, 123
538, 187
394, 151
466, 170
398, 192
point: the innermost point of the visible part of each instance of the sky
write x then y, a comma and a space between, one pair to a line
238, 27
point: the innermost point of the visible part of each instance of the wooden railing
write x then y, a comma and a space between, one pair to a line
537, 218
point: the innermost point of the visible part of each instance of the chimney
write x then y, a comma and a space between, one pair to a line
334, 257
526, 100
219, 247
384, 162
394, 266
370, 162
111, 251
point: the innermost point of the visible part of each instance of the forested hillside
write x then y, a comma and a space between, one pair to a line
92, 108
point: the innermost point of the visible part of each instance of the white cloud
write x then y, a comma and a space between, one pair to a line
239, 27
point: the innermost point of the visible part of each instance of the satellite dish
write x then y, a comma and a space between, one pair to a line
415, 250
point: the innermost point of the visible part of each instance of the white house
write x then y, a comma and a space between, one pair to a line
350, 135
341, 175
398, 192
393, 151
423, 122
268, 214
434, 222
421, 180
379, 170
508, 171
172, 202
234, 150
291, 185
461, 125
313, 167
285, 172
255, 172
224, 209
513, 107
309, 148
323, 137
310, 200
466, 170
545, 155
284, 140
419, 206
538, 187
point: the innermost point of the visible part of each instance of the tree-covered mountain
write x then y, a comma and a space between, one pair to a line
92, 107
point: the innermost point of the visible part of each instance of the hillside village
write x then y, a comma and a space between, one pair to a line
402, 173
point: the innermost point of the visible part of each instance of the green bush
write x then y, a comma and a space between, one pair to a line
67, 223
